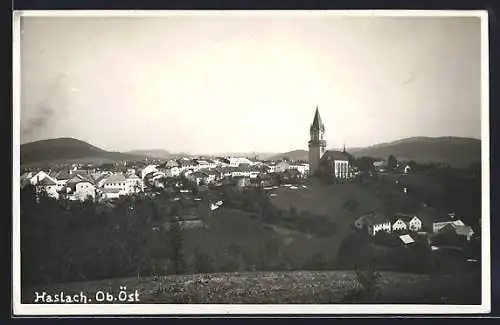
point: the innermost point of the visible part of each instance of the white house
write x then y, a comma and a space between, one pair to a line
40, 176
48, 186
399, 225
407, 169
79, 188
301, 168
436, 226
84, 190
236, 161
118, 183
281, 167
407, 222
133, 184
415, 224
172, 171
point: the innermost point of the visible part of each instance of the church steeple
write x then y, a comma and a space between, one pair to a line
317, 144
317, 124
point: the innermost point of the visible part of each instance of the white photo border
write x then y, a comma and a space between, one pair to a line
20, 309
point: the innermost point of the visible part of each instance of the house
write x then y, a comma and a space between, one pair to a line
172, 172
465, 231
236, 161
406, 222
48, 186
40, 176
171, 163
281, 166
254, 171
447, 236
301, 168
213, 175
407, 169
243, 170
133, 184
373, 222
334, 164
118, 182
436, 226
79, 188
379, 165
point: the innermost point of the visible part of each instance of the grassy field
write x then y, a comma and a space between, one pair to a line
326, 199
300, 287
329, 200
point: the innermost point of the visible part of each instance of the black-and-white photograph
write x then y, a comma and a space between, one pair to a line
246, 161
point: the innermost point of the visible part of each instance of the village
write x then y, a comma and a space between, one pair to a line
199, 181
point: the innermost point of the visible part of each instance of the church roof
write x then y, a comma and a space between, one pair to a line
335, 155
317, 124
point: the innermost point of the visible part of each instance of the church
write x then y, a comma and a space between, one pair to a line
325, 163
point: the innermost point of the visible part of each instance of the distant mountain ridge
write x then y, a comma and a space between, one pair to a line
153, 153
69, 150
456, 151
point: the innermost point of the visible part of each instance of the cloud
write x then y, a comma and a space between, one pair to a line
45, 115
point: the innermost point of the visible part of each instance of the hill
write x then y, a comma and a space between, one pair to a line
68, 150
153, 153
456, 151
292, 155
300, 287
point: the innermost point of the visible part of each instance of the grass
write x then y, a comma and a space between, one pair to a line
326, 199
301, 287
329, 200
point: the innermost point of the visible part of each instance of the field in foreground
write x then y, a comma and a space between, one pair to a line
304, 287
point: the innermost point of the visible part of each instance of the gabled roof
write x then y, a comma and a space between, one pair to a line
335, 155
317, 124
46, 182
404, 217
63, 175
118, 177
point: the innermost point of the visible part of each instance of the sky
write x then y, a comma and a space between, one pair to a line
233, 83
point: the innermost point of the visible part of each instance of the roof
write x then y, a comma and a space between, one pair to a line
62, 175
46, 182
317, 124
407, 239
335, 155
463, 230
403, 216
75, 179
118, 177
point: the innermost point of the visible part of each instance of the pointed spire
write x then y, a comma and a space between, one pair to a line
317, 123
344, 149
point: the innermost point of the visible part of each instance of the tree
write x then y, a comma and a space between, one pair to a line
177, 244
364, 164
392, 162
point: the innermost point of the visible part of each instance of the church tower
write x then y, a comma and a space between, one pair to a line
317, 144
